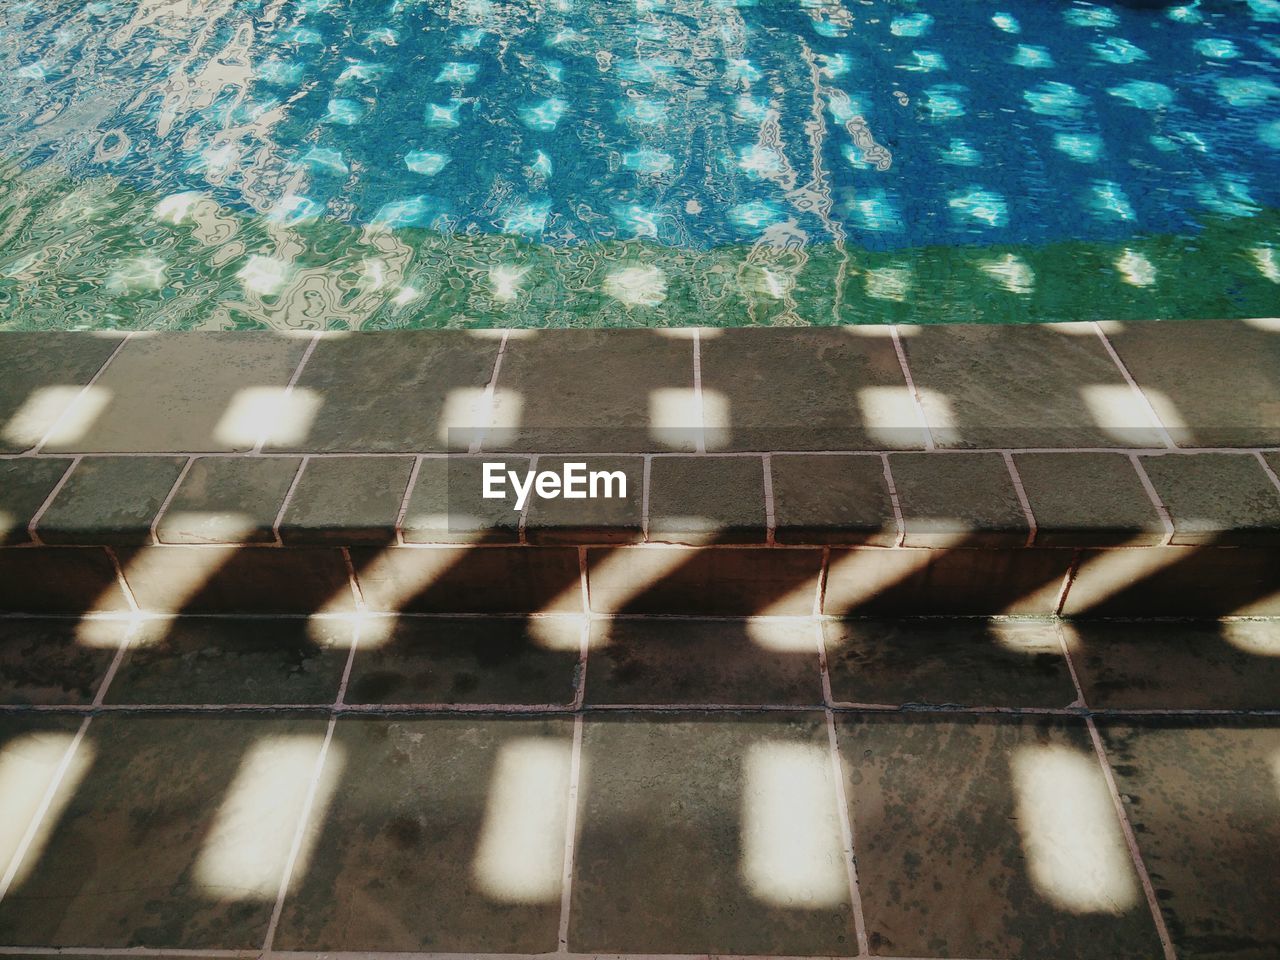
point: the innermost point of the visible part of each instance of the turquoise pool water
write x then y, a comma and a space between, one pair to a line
579, 162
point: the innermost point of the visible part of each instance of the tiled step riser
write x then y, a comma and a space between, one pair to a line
712, 581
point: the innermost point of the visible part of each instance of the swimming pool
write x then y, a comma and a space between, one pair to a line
429, 163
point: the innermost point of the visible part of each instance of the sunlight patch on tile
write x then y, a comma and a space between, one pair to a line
70, 412
287, 416
520, 853
791, 851
1118, 410
1075, 852
890, 417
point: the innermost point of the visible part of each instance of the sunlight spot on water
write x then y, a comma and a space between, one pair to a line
263, 275
889, 283
1006, 22
1137, 270
1084, 147
176, 207
1268, 264
1011, 272
504, 281
140, 274
637, 286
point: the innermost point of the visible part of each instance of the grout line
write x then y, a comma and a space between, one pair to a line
357, 593
899, 522
100, 696
1266, 468
123, 583
584, 638
1131, 839
340, 699
288, 498
299, 834
570, 835
288, 392
1068, 581
408, 492
487, 403
584, 580
1022, 498
842, 802
168, 500
1156, 501
644, 497
39, 447
698, 405
1133, 385
770, 513
46, 801
523, 519
820, 593
929, 443
48, 501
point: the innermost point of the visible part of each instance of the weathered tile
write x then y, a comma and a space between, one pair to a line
228, 500
703, 661
40, 376
948, 498
832, 499
806, 390
1178, 664
1024, 385
1204, 801
467, 660
1201, 581
620, 391
50, 662
110, 500
872, 581
701, 835
1219, 498
59, 580
982, 837
1182, 367
448, 504
394, 392
600, 519
171, 832
191, 660
707, 500
190, 392
460, 580
969, 661
1088, 500
32, 748
347, 500
218, 579
24, 487
446, 835
715, 581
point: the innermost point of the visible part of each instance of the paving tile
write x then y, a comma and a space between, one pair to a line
832, 499
50, 662
1088, 500
32, 749
599, 519
59, 580
702, 835
707, 500
446, 835
1202, 581
1178, 664
24, 487
40, 376
1217, 498
394, 392
460, 580
228, 500
807, 390
467, 660
448, 505
970, 661
197, 661
347, 500
716, 581
966, 497
872, 581
982, 837
1025, 385
1204, 801
707, 661
110, 500
170, 832
217, 579
190, 392
608, 391
1182, 367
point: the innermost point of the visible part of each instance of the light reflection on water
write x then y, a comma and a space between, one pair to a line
176, 163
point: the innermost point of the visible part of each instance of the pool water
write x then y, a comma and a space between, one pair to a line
389, 163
